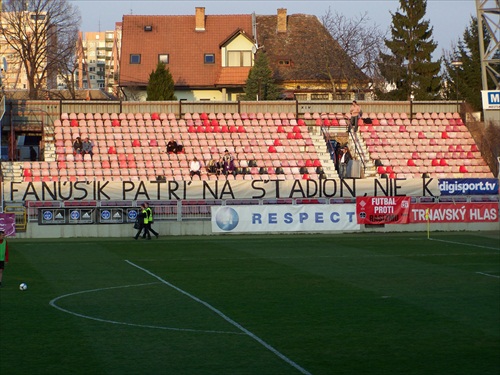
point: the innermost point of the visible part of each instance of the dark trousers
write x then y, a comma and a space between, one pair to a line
144, 227
149, 230
343, 170
139, 231
354, 123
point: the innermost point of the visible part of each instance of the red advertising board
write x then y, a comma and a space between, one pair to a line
454, 213
383, 210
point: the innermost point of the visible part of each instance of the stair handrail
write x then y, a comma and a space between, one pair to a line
358, 150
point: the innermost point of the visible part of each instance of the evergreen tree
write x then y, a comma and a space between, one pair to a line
465, 81
409, 68
260, 82
160, 84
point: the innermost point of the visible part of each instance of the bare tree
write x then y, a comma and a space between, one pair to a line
43, 33
361, 40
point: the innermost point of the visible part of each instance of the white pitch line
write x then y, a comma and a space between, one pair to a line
466, 244
54, 304
487, 274
226, 318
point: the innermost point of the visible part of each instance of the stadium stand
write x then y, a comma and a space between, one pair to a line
132, 146
436, 145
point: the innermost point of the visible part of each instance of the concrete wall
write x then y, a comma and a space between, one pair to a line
198, 228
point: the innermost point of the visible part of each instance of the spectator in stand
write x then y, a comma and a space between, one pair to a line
33, 154
172, 146
195, 168
87, 147
219, 167
213, 167
78, 145
355, 112
228, 164
345, 158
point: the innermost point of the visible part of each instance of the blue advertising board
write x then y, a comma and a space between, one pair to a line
468, 186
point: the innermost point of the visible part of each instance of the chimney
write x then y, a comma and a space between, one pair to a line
282, 20
200, 19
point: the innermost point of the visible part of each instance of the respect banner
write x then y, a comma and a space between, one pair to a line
284, 218
454, 213
383, 210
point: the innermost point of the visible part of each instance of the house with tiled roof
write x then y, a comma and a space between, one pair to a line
210, 56
307, 62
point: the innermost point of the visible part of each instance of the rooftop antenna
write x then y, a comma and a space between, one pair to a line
256, 46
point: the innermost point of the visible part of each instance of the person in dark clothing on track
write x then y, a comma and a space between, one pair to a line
143, 223
149, 213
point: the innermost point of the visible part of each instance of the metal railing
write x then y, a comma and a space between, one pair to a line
20, 214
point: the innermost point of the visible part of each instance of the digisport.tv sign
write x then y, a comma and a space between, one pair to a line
468, 186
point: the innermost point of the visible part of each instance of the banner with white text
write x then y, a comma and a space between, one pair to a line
383, 210
454, 213
284, 218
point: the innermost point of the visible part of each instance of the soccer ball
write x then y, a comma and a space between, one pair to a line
23, 286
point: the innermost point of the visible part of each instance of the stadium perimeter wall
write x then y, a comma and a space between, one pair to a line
204, 228
175, 221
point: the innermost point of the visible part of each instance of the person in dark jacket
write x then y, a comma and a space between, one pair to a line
149, 212
142, 218
344, 159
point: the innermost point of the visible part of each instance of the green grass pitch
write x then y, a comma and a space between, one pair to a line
261, 304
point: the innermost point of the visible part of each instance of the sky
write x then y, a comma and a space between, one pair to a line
449, 18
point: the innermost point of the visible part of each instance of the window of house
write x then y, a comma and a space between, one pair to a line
209, 58
135, 59
239, 58
164, 58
